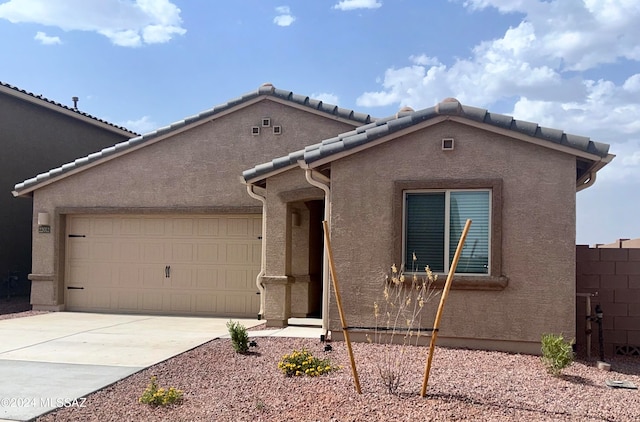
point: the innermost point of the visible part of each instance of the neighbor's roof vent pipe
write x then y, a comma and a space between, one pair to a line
75, 102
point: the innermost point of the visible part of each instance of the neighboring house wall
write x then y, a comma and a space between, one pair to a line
196, 170
536, 223
614, 274
35, 138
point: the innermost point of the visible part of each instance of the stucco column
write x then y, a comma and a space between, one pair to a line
277, 300
277, 279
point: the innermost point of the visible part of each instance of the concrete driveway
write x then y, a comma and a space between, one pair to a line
49, 360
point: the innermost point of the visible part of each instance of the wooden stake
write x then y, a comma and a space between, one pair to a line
443, 299
327, 240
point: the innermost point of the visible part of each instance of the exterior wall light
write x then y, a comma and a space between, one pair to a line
43, 219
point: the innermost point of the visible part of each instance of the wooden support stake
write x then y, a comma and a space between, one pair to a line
443, 299
345, 330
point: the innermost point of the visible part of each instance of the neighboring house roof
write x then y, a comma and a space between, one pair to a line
588, 152
620, 243
61, 108
266, 90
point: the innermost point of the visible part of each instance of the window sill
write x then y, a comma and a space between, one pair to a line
470, 282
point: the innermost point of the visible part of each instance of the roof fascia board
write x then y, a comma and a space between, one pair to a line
594, 168
375, 142
66, 112
270, 174
483, 126
521, 136
141, 145
312, 110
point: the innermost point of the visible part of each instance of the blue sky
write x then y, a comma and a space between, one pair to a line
567, 64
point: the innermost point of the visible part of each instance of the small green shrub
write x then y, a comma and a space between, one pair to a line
557, 353
304, 363
160, 396
239, 337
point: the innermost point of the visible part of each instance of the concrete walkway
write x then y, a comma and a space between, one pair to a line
49, 360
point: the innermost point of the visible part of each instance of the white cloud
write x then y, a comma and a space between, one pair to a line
46, 39
128, 23
357, 4
553, 68
284, 18
326, 97
424, 60
141, 125
632, 84
580, 33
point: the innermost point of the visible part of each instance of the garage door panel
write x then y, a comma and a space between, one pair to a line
121, 264
237, 253
181, 277
101, 275
77, 249
79, 225
237, 227
256, 254
153, 277
129, 276
154, 227
206, 304
130, 227
129, 251
76, 273
102, 251
181, 303
182, 252
102, 227
209, 253
237, 280
209, 278
208, 227
152, 300
183, 227
101, 299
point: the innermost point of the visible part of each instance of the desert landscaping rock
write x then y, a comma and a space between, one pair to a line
220, 385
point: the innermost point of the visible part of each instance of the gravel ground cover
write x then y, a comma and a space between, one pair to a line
465, 385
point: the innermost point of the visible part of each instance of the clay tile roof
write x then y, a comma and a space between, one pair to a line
449, 107
266, 89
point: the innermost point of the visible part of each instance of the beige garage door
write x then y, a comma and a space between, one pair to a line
181, 265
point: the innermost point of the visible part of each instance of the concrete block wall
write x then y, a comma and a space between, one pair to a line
614, 274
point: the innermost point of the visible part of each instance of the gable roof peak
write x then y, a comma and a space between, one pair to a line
449, 105
404, 111
266, 88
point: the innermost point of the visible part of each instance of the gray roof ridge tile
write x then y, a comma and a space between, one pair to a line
62, 106
448, 107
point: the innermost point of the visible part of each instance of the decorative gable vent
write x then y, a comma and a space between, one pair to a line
266, 122
255, 130
447, 144
277, 130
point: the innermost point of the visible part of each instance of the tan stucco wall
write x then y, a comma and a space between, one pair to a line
538, 232
197, 170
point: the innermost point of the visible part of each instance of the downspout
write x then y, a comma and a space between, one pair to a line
263, 257
320, 181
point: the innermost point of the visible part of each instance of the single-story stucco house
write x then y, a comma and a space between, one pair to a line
162, 223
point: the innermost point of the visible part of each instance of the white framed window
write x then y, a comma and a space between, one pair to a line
433, 221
